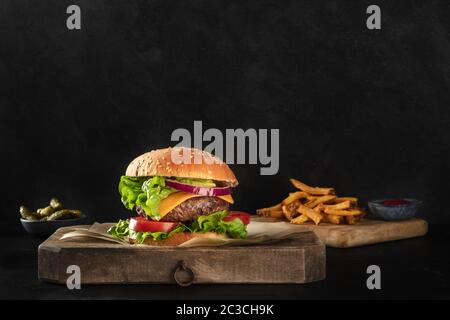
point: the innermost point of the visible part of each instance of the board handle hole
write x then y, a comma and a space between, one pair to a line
183, 275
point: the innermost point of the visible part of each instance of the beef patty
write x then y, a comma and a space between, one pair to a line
198, 206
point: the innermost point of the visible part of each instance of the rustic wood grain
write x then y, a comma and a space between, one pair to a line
366, 232
297, 260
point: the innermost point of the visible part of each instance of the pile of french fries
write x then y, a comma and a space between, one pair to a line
315, 204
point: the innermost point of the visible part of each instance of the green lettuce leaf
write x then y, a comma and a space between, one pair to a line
130, 188
145, 192
214, 223
234, 229
211, 223
120, 229
141, 236
208, 223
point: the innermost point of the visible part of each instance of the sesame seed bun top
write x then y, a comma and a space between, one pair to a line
183, 163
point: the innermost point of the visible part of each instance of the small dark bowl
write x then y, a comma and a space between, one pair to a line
397, 212
46, 228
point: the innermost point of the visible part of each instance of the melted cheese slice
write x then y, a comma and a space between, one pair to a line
167, 204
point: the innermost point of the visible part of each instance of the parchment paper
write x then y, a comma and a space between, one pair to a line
258, 232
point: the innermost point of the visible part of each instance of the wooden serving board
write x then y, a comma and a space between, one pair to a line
366, 232
102, 262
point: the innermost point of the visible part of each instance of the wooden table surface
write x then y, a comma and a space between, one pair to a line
413, 268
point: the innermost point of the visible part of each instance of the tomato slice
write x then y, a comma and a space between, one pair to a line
141, 224
245, 217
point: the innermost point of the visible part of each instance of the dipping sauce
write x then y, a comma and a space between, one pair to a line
395, 202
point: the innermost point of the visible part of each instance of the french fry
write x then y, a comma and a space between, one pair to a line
311, 190
310, 213
271, 214
316, 204
293, 196
273, 211
353, 200
310, 200
289, 210
319, 200
351, 212
339, 206
331, 218
300, 219
277, 214
319, 208
353, 219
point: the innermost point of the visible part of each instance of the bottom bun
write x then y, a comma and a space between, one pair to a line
180, 238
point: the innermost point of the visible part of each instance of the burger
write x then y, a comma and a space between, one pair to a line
175, 201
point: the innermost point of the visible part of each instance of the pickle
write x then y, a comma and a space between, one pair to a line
25, 213
44, 212
54, 211
56, 204
64, 213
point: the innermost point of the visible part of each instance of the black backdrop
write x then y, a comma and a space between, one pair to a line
363, 111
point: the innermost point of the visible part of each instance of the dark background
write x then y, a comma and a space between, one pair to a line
363, 111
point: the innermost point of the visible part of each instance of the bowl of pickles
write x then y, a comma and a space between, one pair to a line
45, 221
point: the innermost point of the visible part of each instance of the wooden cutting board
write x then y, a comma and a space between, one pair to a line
102, 262
366, 232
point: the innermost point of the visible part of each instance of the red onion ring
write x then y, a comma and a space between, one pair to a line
203, 191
